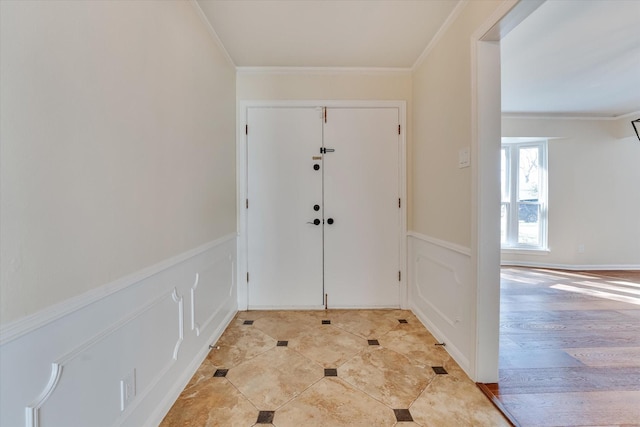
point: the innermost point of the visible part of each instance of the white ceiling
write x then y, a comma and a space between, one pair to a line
574, 57
326, 33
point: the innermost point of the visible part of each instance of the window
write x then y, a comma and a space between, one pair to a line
523, 174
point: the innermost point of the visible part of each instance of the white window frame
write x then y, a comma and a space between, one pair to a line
512, 147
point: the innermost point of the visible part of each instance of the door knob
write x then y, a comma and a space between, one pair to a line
316, 208
316, 167
330, 221
315, 222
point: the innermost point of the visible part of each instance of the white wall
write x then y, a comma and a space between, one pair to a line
444, 285
117, 213
323, 84
593, 192
118, 151
442, 96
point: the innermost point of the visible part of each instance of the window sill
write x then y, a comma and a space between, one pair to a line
526, 251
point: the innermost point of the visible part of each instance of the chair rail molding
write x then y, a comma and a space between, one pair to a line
66, 369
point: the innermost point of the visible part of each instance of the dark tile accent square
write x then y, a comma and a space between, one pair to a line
402, 320
330, 372
265, 417
373, 342
403, 415
220, 373
282, 343
248, 322
326, 322
439, 370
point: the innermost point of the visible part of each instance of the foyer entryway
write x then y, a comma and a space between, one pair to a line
323, 206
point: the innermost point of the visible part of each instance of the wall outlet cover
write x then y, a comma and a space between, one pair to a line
127, 389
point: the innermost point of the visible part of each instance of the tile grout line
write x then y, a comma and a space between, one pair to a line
366, 322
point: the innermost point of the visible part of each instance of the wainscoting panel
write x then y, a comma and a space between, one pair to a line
440, 293
152, 332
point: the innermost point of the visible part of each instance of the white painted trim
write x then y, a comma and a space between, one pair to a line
442, 243
573, 267
450, 348
162, 373
241, 211
174, 392
567, 116
25, 325
485, 245
57, 367
404, 267
631, 115
32, 412
212, 32
525, 251
194, 326
180, 300
325, 70
426, 296
440, 33
242, 178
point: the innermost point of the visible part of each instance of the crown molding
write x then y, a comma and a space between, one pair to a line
440, 33
212, 32
566, 116
324, 70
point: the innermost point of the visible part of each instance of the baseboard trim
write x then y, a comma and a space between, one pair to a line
174, 392
27, 324
571, 267
450, 348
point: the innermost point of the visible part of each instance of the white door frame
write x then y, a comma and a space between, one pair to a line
486, 117
241, 180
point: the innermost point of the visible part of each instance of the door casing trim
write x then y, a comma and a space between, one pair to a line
242, 178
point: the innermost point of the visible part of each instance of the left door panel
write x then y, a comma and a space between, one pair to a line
284, 246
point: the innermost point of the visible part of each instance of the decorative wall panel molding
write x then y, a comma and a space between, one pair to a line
180, 301
440, 293
31, 323
68, 371
436, 278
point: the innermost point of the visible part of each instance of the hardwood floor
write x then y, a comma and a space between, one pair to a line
569, 347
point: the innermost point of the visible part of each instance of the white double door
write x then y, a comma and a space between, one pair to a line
323, 216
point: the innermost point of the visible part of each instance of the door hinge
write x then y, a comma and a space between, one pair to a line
398, 129
399, 203
246, 129
247, 277
326, 150
399, 276
325, 114
247, 203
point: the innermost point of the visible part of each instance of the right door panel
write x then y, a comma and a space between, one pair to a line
361, 193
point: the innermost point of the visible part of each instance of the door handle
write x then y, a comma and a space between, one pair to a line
330, 221
315, 222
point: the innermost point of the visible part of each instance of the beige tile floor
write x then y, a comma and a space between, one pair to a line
364, 368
